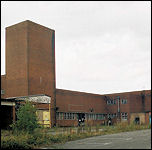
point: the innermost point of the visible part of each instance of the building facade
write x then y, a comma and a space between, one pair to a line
30, 70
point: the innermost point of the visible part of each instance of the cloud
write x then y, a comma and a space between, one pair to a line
101, 47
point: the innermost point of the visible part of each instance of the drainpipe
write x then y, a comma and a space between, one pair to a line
118, 98
50, 114
143, 101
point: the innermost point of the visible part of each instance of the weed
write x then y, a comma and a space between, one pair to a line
42, 136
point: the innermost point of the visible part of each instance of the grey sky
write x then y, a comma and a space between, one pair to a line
101, 46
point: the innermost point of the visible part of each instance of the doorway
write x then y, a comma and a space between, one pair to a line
81, 119
6, 116
137, 120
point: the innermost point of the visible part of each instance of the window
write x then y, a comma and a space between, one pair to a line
113, 115
59, 116
2, 92
69, 116
108, 102
96, 116
124, 116
65, 116
109, 116
123, 101
91, 116
114, 101
111, 102
100, 116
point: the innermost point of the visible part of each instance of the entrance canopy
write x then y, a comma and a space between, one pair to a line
33, 98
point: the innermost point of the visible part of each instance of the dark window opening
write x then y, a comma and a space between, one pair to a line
6, 116
137, 120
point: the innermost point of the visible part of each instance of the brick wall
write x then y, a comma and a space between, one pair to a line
30, 70
30, 61
73, 101
16, 60
3, 85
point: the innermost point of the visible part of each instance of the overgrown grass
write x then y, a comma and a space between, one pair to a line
41, 136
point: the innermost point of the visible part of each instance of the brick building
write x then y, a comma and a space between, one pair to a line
30, 72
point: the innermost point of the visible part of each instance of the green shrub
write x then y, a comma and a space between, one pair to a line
40, 136
26, 118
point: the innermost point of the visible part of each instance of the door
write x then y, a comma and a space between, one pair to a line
46, 118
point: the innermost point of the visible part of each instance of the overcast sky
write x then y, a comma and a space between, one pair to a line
101, 46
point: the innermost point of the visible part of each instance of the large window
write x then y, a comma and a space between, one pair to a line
96, 116
69, 116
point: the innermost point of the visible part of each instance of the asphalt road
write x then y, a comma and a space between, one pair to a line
126, 140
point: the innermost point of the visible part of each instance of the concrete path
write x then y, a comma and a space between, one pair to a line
126, 140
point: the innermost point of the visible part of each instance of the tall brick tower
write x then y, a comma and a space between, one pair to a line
30, 61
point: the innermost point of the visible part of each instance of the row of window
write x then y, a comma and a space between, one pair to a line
112, 102
66, 116
112, 115
69, 116
73, 116
95, 116
123, 101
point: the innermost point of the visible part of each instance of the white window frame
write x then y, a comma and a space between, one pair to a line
2, 92
111, 102
124, 101
69, 116
59, 116
124, 116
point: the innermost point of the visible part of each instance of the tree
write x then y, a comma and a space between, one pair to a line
26, 118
